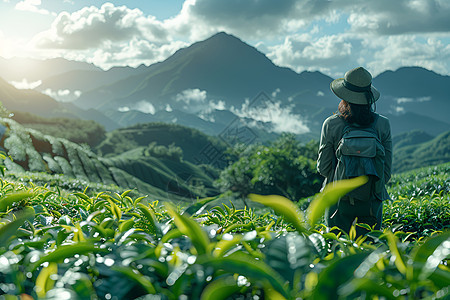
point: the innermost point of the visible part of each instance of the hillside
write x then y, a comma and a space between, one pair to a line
75, 130
222, 65
42, 105
86, 80
416, 90
410, 138
160, 174
197, 147
17, 69
432, 152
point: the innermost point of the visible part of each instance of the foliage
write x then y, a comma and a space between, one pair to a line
421, 201
75, 130
171, 152
285, 167
113, 245
155, 170
433, 152
192, 141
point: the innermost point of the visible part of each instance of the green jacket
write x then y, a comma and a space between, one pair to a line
331, 135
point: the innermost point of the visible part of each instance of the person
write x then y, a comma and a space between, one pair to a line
358, 97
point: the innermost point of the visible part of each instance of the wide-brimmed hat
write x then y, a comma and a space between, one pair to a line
356, 87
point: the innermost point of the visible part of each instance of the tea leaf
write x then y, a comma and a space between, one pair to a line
137, 277
8, 200
190, 228
44, 282
9, 229
67, 251
282, 206
331, 195
221, 288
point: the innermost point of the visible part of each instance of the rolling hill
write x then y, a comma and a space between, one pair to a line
413, 156
42, 105
160, 174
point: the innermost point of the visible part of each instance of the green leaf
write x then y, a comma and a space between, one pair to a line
319, 244
248, 266
284, 207
290, 255
67, 251
331, 195
151, 217
124, 194
9, 229
115, 210
199, 206
219, 289
368, 287
190, 228
8, 200
428, 256
126, 225
224, 245
397, 256
338, 273
44, 282
83, 196
137, 277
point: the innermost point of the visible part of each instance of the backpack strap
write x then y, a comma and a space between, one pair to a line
371, 127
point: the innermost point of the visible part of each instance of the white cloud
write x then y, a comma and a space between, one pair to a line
403, 100
281, 119
256, 19
304, 52
63, 95
123, 109
108, 36
191, 95
399, 109
220, 105
142, 106
386, 17
145, 107
93, 27
32, 6
406, 50
25, 85
365, 33
410, 100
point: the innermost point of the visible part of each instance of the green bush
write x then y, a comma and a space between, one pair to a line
285, 167
113, 245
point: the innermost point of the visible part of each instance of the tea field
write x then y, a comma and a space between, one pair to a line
68, 240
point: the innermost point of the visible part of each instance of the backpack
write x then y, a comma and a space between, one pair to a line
360, 152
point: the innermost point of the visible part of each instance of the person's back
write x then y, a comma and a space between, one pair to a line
355, 113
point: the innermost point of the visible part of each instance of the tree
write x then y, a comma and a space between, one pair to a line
285, 167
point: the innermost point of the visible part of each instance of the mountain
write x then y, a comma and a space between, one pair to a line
42, 105
224, 69
416, 90
218, 82
410, 138
17, 69
408, 121
86, 80
432, 152
223, 66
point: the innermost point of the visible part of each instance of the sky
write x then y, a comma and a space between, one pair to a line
330, 36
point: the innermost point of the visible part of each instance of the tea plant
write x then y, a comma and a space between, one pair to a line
110, 245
